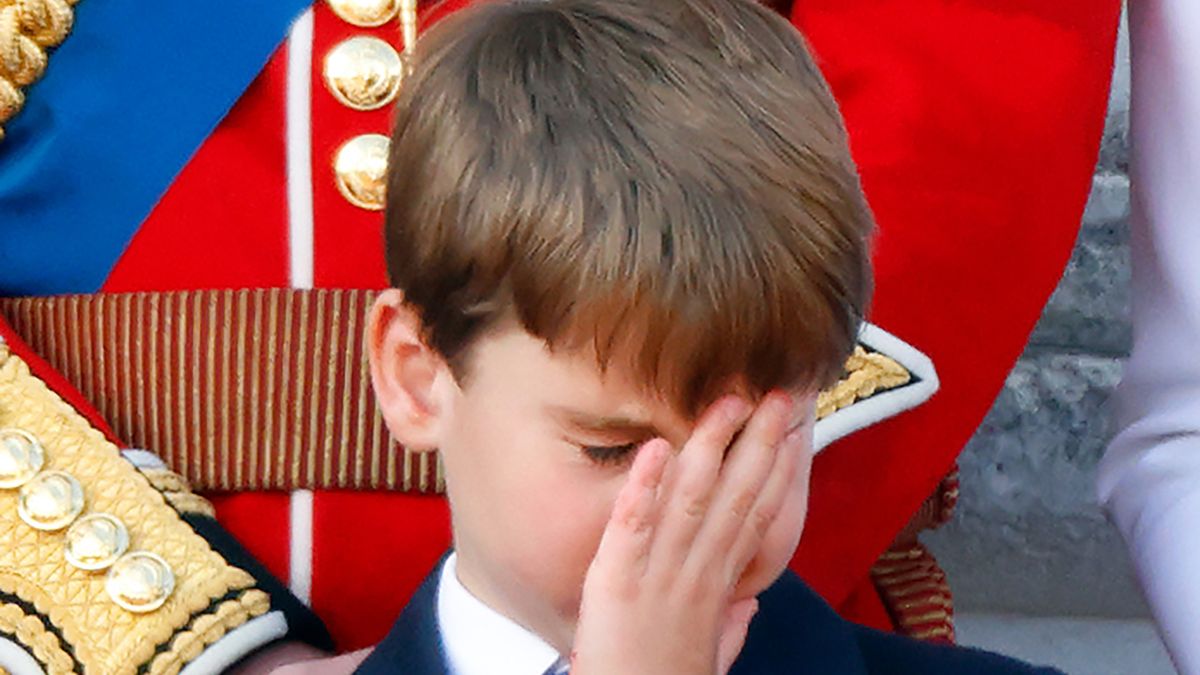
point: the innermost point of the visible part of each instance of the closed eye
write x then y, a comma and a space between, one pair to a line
610, 455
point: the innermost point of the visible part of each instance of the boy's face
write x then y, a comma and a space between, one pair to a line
536, 446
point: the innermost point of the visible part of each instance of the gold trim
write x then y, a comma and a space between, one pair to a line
239, 430
363, 73
903, 578
331, 382
365, 15
210, 393
360, 463
178, 493
347, 352
29, 630
914, 591
207, 629
934, 616
934, 585
297, 375
939, 602
317, 392
226, 359
937, 633
408, 32
285, 381
198, 467
106, 639
256, 337
127, 398
867, 374
146, 405
271, 362
71, 326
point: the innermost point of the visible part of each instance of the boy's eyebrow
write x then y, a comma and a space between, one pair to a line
614, 424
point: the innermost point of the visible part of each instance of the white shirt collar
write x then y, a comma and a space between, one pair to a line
478, 640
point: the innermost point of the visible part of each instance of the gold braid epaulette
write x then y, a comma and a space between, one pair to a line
178, 493
28, 28
867, 373
64, 616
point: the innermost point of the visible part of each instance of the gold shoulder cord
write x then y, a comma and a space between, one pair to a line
866, 374
408, 32
27, 29
68, 617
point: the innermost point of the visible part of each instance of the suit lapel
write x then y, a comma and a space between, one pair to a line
414, 645
796, 632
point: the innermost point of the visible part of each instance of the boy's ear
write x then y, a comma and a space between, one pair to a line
407, 375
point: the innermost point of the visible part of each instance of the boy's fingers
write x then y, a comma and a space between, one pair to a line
746, 471
771, 498
626, 541
696, 473
733, 633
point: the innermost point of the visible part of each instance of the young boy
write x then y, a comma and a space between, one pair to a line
628, 245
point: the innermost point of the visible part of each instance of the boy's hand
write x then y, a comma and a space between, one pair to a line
659, 595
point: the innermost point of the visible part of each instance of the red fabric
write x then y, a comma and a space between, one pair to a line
365, 567
864, 607
223, 222
259, 521
347, 240
976, 126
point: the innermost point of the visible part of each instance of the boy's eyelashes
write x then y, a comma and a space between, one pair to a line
611, 455
620, 454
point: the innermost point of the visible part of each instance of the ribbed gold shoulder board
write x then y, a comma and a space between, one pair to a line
71, 618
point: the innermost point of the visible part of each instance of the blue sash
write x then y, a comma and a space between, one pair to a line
126, 101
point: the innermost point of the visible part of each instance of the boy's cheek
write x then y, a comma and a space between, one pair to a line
569, 516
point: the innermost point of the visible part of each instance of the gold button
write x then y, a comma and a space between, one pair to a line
21, 458
50, 501
140, 582
363, 73
361, 170
365, 13
95, 541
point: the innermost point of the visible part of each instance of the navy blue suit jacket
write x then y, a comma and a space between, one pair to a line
794, 632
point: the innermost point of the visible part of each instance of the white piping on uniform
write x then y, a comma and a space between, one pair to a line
300, 269
299, 152
300, 529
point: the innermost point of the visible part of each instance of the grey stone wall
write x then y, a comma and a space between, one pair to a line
1028, 536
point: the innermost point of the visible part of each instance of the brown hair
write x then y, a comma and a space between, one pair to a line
661, 181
